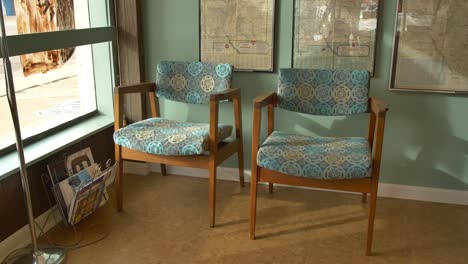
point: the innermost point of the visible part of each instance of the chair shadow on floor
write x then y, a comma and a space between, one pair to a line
234, 222
312, 227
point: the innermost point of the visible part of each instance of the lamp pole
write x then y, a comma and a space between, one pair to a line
38, 256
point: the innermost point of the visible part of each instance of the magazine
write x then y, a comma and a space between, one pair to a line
79, 161
79, 185
71, 185
86, 200
57, 171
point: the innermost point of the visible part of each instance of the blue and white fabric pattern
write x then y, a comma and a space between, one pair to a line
191, 82
325, 158
167, 137
324, 92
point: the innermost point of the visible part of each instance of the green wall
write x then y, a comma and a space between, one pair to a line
426, 140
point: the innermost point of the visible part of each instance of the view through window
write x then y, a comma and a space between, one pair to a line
52, 87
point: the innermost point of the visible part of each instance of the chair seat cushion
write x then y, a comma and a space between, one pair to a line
325, 158
167, 137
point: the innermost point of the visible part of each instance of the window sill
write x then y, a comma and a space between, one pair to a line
54, 143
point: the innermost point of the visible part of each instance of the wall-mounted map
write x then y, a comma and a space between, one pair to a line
335, 34
239, 32
431, 46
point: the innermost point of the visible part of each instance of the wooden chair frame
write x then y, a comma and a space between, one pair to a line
365, 186
218, 152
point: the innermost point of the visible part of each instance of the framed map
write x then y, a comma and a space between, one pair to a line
431, 46
239, 32
335, 34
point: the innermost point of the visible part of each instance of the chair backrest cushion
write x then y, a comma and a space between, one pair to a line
191, 82
324, 92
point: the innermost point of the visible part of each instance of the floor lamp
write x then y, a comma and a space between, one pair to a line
39, 256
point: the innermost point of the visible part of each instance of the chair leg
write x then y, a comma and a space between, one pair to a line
119, 178
364, 197
240, 160
163, 170
253, 202
212, 194
370, 227
270, 187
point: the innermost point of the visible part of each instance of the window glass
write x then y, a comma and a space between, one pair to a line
50, 15
48, 95
58, 83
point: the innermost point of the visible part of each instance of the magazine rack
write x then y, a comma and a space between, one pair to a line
80, 189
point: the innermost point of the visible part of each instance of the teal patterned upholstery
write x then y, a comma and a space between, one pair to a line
324, 92
324, 158
167, 137
191, 82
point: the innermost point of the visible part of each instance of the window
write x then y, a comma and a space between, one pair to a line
61, 54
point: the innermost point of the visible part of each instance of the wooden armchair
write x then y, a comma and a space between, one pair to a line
168, 142
345, 164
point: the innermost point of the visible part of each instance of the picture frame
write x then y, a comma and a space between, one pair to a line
240, 46
314, 44
431, 66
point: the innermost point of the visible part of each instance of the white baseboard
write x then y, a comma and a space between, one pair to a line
426, 194
22, 237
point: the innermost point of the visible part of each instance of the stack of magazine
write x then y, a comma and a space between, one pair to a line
80, 185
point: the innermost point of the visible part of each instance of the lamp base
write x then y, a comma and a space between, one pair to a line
43, 256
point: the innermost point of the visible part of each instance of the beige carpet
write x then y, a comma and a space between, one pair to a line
166, 221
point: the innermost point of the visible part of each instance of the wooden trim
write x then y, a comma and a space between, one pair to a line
118, 116
221, 151
256, 126
271, 127
377, 106
377, 156
253, 200
265, 99
214, 116
212, 189
154, 104
238, 117
240, 148
377, 148
351, 185
195, 161
371, 130
226, 95
119, 93
155, 112
119, 178
226, 150
271, 119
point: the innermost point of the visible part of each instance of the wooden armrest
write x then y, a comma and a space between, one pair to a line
136, 88
378, 107
120, 91
226, 95
264, 99
215, 98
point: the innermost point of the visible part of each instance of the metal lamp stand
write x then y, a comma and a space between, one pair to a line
38, 256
